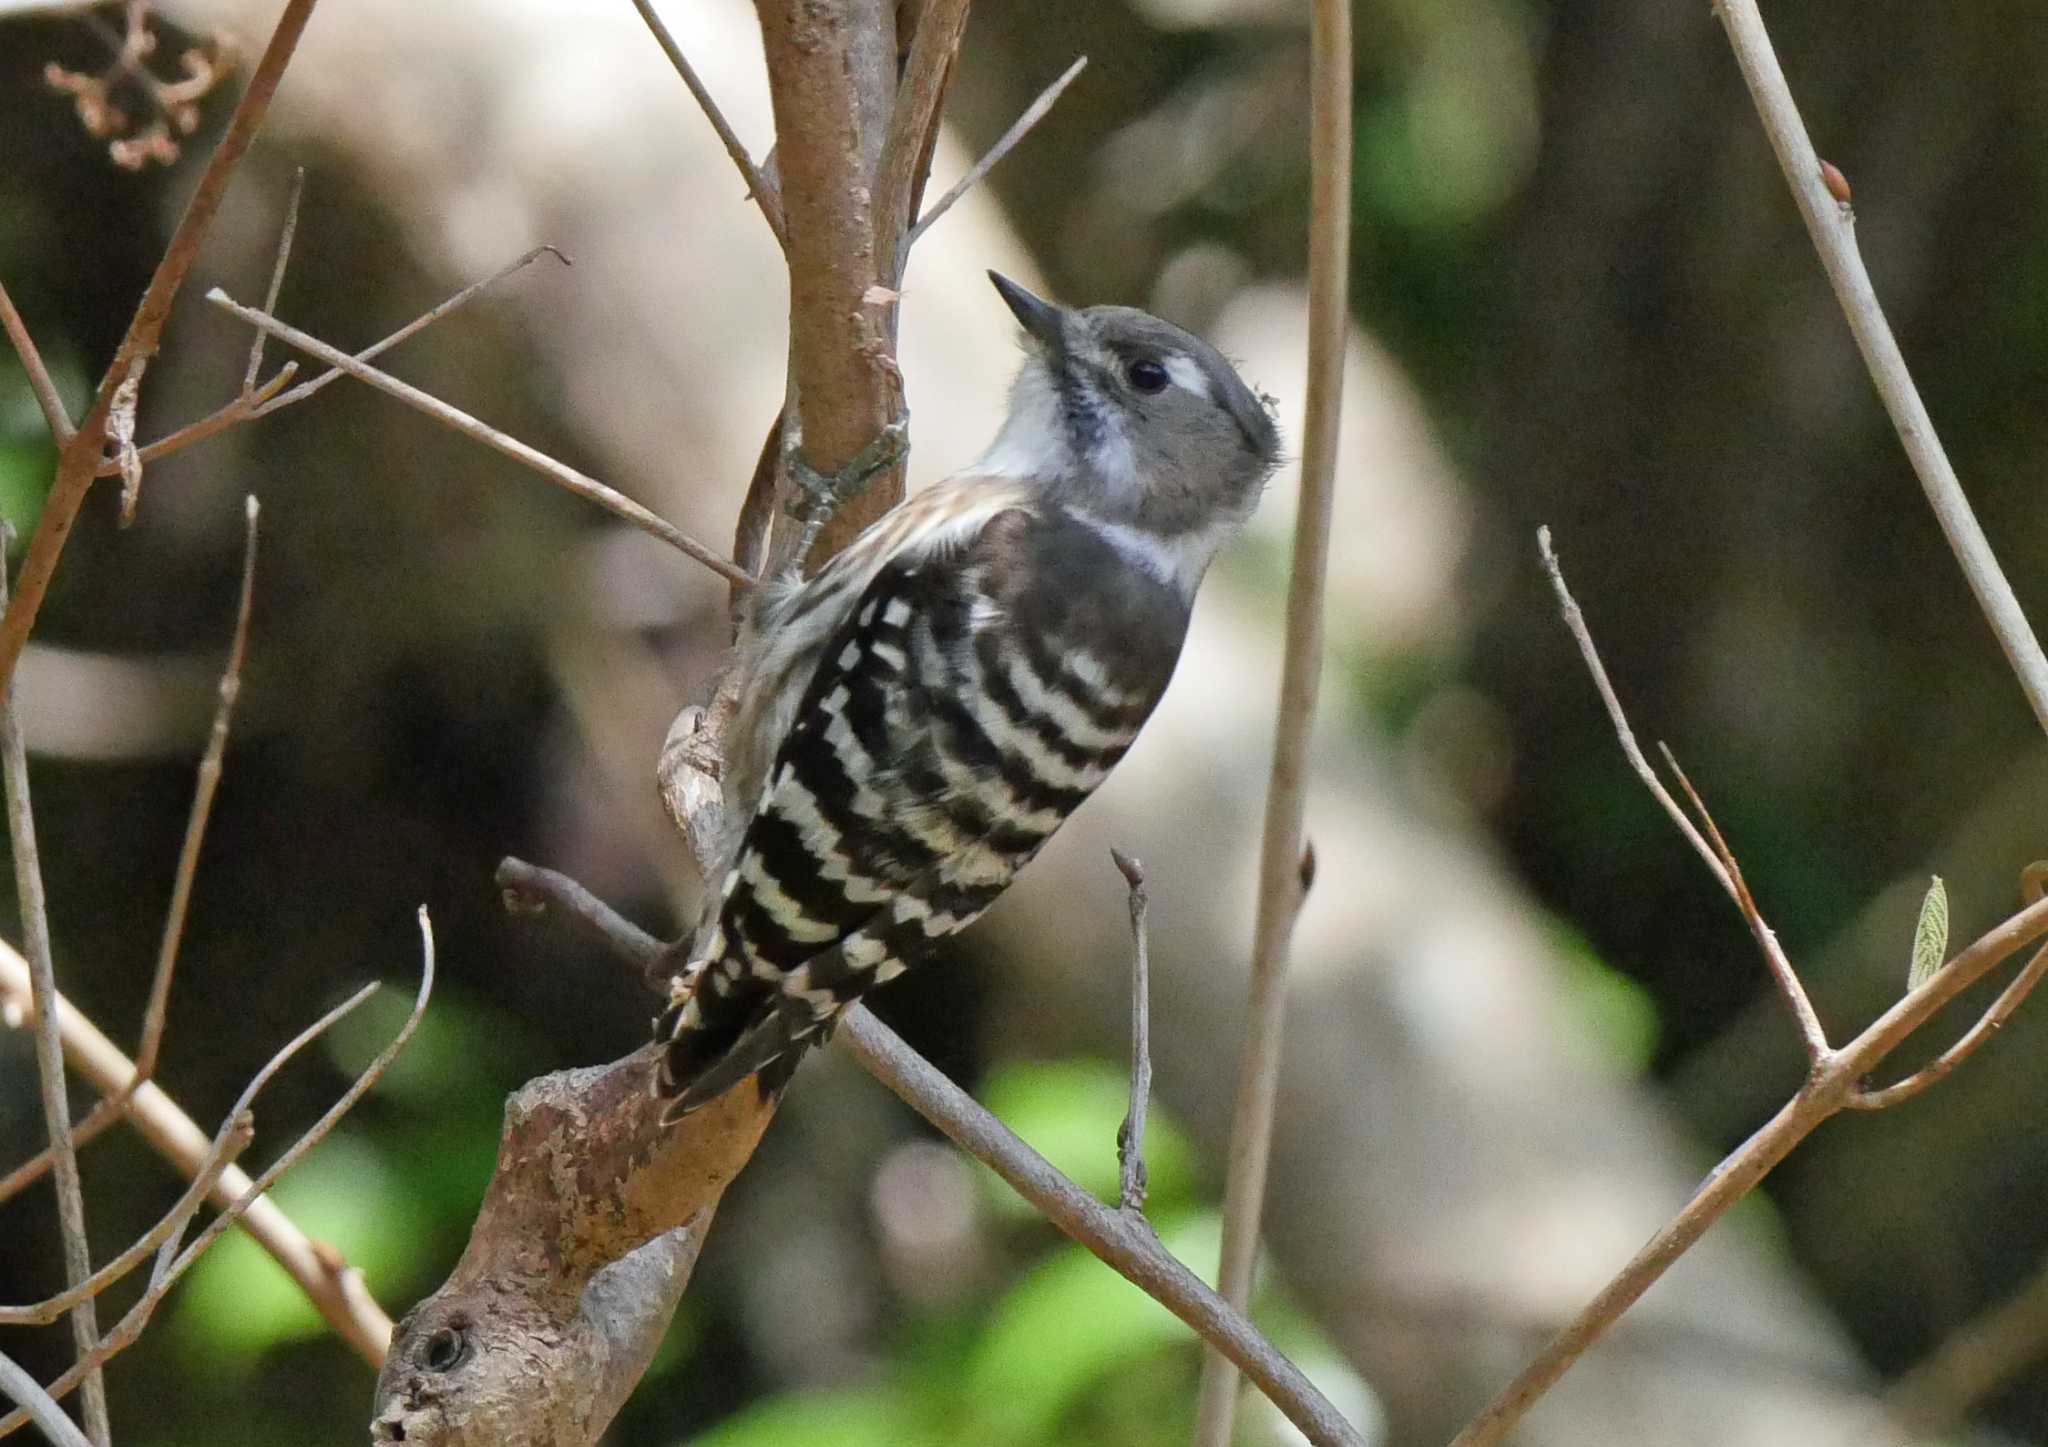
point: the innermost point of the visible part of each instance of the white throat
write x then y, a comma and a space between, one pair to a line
1178, 561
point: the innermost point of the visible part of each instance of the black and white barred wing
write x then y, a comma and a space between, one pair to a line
954, 720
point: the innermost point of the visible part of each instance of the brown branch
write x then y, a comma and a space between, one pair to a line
269, 398
202, 808
759, 186
828, 76
1831, 224
253, 1197
1007, 142
39, 379
1783, 976
337, 1294
1833, 1084
913, 122
1130, 1138
559, 473
35, 927
1280, 850
79, 460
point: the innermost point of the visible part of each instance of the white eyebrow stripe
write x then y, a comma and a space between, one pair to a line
1187, 374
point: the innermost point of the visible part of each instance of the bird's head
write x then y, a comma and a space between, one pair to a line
1135, 424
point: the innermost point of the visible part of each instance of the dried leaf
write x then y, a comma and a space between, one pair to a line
1930, 935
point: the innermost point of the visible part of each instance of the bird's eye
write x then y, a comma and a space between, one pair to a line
445, 1349
1146, 374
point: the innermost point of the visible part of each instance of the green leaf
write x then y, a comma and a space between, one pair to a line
1069, 1324
1930, 935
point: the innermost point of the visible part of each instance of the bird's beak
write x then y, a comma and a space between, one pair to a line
1038, 317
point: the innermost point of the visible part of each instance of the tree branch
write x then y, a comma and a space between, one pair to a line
1279, 897
170, 1268
559, 473
335, 1290
759, 186
39, 379
1007, 142
1831, 224
79, 461
35, 926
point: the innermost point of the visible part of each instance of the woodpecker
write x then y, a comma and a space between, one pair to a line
918, 718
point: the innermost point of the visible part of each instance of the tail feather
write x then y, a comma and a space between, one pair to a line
772, 1048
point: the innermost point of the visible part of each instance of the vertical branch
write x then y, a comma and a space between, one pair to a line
1280, 868
1130, 1140
1832, 225
79, 461
35, 926
832, 80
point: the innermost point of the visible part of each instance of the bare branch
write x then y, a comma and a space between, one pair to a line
2009, 999
284, 256
79, 460
1007, 142
1827, 1091
337, 1294
1130, 1139
828, 76
35, 925
913, 122
529, 887
559, 473
1811, 1034
202, 810
1123, 1241
230, 1143
252, 1198
1831, 224
759, 186
39, 379
1280, 850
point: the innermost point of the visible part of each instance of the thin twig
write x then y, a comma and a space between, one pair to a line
104, 1114
284, 256
1280, 894
2009, 999
1123, 1242
1007, 142
1130, 1138
1790, 988
1812, 1036
202, 809
759, 186
131, 1326
559, 473
529, 887
79, 461
35, 926
37, 1404
337, 1295
1831, 224
913, 120
39, 379
233, 1139
270, 397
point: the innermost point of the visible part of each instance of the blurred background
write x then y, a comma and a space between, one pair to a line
1524, 1021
